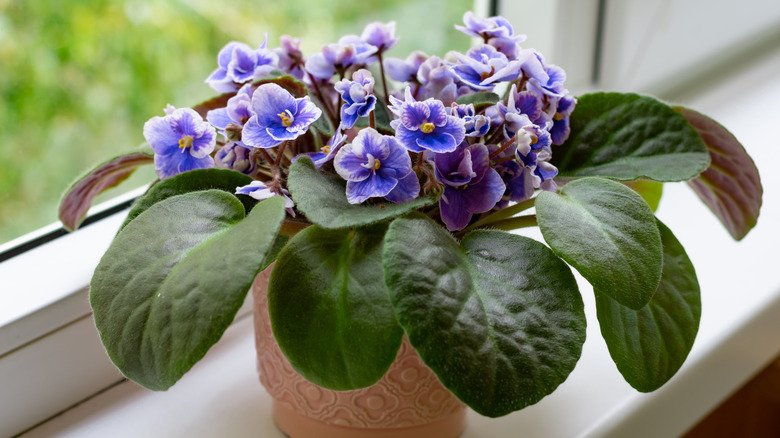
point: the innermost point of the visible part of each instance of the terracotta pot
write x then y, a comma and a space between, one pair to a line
408, 402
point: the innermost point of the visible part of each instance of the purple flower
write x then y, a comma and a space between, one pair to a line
259, 191
328, 151
483, 66
278, 117
476, 125
405, 70
496, 31
372, 165
380, 35
425, 125
238, 111
235, 157
470, 184
437, 80
350, 50
238, 63
560, 129
290, 56
181, 141
358, 97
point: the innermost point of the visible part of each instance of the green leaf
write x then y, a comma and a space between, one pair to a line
172, 281
78, 198
499, 318
192, 181
608, 233
322, 198
650, 191
323, 123
330, 310
649, 345
479, 100
627, 137
731, 186
382, 118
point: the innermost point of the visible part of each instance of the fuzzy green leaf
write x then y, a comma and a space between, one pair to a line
172, 281
627, 137
479, 100
192, 181
608, 233
649, 345
329, 307
322, 198
731, 186
498, 318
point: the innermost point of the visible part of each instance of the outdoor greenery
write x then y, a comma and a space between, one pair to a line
81, 77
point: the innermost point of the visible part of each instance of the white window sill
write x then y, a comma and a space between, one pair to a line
221, 396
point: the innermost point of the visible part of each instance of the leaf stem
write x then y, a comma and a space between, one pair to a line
502, 214
514, 223
291, 227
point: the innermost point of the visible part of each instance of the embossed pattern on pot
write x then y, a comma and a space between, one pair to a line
408, 395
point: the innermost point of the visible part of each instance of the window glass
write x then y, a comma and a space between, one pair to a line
81, 77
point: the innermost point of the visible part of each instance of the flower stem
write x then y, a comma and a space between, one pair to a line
384, 79
279, 154
321, 97
372, 120
502, 148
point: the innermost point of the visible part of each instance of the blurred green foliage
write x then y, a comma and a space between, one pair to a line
80, 77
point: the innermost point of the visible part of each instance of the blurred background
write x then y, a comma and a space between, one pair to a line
79, 78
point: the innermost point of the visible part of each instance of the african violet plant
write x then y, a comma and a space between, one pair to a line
386, 208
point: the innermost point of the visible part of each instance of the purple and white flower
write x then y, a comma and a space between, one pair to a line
291, 58
483, 66
405, 70
476, 125
372, 164
358, 96
237, 112
260, 191
425, 125
496, 31
337, 57
238, 63
181, 141
236, 157
327, 152
278, 116
380, 35
470, 185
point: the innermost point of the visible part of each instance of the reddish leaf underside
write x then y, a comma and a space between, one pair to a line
731, 186
79, 197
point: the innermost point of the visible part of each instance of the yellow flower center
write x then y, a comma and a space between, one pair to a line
185, 142
557, 116
287, 118
487, 74
326, 149
427, 127
376, 164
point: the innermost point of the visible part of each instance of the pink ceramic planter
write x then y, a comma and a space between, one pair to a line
408, 402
